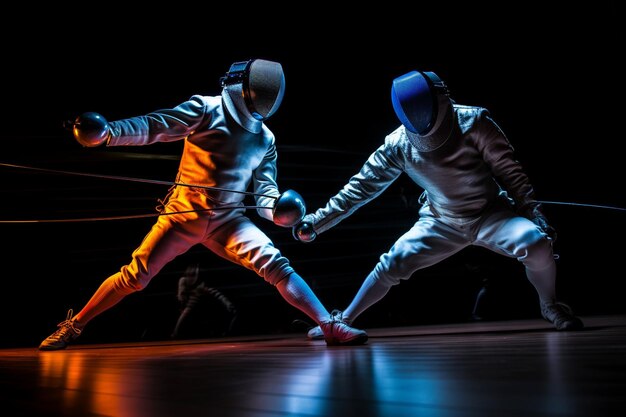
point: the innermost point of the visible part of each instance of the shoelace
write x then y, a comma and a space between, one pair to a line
66, 325
336, 315
562, 308
567, 309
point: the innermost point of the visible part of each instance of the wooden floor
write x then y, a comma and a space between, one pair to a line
499, 368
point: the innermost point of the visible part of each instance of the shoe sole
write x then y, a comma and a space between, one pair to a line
574, 324
359, 340
571, 326
48, 348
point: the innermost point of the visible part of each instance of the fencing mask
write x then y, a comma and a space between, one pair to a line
255, 89
422, 103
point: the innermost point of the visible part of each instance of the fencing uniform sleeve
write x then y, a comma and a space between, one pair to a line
381, 169
508, 172
498, 154
264, 181
165, 125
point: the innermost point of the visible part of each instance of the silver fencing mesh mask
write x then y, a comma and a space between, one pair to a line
255, 87
422, 103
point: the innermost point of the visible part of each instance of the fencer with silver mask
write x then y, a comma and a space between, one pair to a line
227, 148
474, 193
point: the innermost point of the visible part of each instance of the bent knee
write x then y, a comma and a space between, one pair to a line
536, 253
272, 267
128, 281
389, 275
277, 274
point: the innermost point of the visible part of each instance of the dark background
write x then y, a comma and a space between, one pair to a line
552, 78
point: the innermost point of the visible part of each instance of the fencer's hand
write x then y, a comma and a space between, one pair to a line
304, 232
289, 209
533, 213
542, 222
90, 129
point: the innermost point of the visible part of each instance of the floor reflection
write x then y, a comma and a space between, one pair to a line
456, 371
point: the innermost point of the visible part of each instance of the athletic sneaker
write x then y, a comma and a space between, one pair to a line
561, 315
65, 333
337, 332
316, 332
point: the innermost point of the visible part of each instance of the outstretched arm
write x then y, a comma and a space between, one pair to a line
381, 169
165, 125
